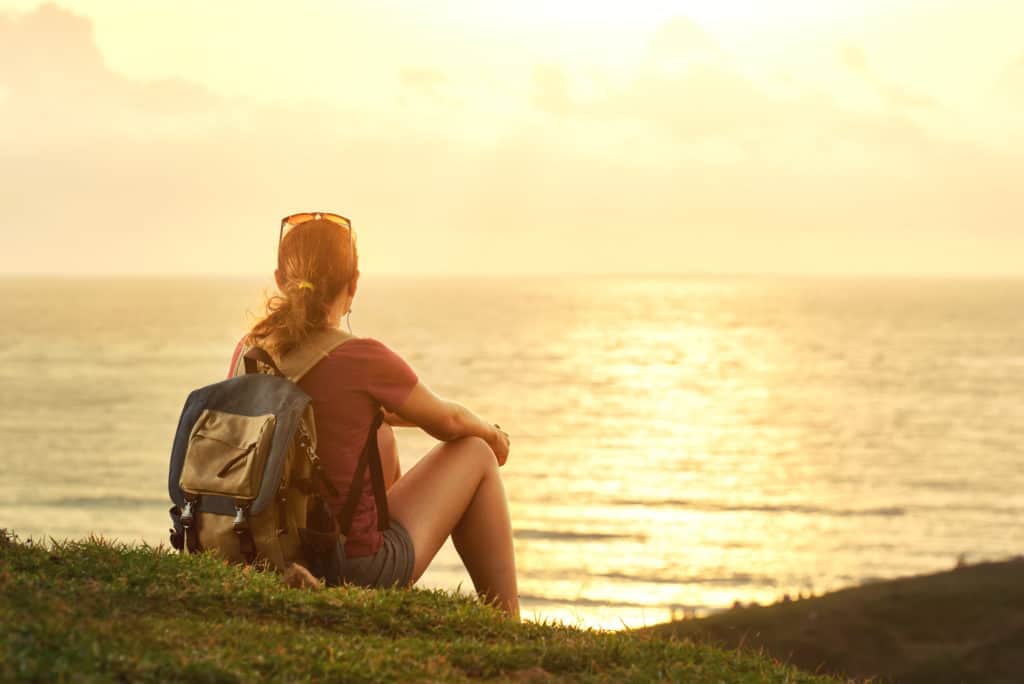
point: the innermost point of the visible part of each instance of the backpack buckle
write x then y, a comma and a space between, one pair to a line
246, 545
241, 523
187, 515
188, 524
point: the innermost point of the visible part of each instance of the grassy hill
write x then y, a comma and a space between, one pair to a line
98, 611
965, 625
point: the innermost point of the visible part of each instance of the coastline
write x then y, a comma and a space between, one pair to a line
965, 624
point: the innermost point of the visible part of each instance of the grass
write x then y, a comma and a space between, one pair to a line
964, 625
100, 611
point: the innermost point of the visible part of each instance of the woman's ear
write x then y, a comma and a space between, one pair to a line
277, 279
352, 286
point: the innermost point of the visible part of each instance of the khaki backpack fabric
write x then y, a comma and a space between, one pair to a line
230, 507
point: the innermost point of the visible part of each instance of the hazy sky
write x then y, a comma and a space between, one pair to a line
486, 136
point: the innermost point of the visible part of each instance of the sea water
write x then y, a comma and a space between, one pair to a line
678, 444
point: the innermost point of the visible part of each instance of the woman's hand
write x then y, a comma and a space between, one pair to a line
499, 443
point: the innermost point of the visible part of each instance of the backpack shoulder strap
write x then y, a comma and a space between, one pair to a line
312, 351
249, 359
240, 363
296, 363
248, 355
370, 458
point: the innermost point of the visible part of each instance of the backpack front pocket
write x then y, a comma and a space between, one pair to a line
227, 454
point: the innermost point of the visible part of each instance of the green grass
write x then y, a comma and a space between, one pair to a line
101, 611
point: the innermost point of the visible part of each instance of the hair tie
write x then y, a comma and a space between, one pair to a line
306, 285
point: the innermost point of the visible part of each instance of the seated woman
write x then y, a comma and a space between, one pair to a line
455, 489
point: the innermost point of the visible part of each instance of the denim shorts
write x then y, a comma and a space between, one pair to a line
391, 566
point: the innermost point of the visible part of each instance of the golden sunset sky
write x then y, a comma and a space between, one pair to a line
477, 136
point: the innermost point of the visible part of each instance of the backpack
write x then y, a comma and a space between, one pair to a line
244, 476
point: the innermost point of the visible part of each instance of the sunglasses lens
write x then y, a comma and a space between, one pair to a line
334, 218
296, 219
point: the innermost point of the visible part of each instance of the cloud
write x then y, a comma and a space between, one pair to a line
705, 100
694, 169
423, 80
854, 58
895, 95
683, 86
680, 37
30, 65
711, 102
804, 162
551, 89
1012, 80
49, 56
101, 172
908, 98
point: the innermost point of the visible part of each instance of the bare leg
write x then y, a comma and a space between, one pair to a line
388, 446
456, 489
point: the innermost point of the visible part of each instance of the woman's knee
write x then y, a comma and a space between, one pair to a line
476, 450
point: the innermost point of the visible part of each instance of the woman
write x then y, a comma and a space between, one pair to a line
455, 489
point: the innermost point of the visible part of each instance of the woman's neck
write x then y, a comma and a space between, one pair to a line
342, 305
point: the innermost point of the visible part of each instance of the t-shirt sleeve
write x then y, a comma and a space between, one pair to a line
389, 379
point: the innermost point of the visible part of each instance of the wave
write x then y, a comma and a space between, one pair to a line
563, 535
550, 600
113, 501
734, 580
883, 511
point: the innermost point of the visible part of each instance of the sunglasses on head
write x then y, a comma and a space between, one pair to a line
289, 222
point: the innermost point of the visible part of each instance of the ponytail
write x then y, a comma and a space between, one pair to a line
315, 265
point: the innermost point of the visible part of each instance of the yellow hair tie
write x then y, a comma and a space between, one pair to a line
306, 285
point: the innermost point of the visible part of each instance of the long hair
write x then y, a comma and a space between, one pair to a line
315, 262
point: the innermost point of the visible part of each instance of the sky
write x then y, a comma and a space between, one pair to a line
496, 138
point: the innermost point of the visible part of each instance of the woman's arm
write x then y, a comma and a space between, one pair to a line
447, 420
395, 420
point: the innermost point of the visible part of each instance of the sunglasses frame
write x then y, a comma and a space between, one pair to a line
315, 216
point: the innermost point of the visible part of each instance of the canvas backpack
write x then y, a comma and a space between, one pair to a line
245, 478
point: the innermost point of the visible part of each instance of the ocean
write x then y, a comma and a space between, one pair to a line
678, 443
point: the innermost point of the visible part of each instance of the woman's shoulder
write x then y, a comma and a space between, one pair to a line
361, 345
365, 348
367, 360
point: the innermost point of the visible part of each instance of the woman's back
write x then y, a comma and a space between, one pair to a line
348, 388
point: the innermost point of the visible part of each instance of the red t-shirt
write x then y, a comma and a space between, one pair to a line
348, 388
